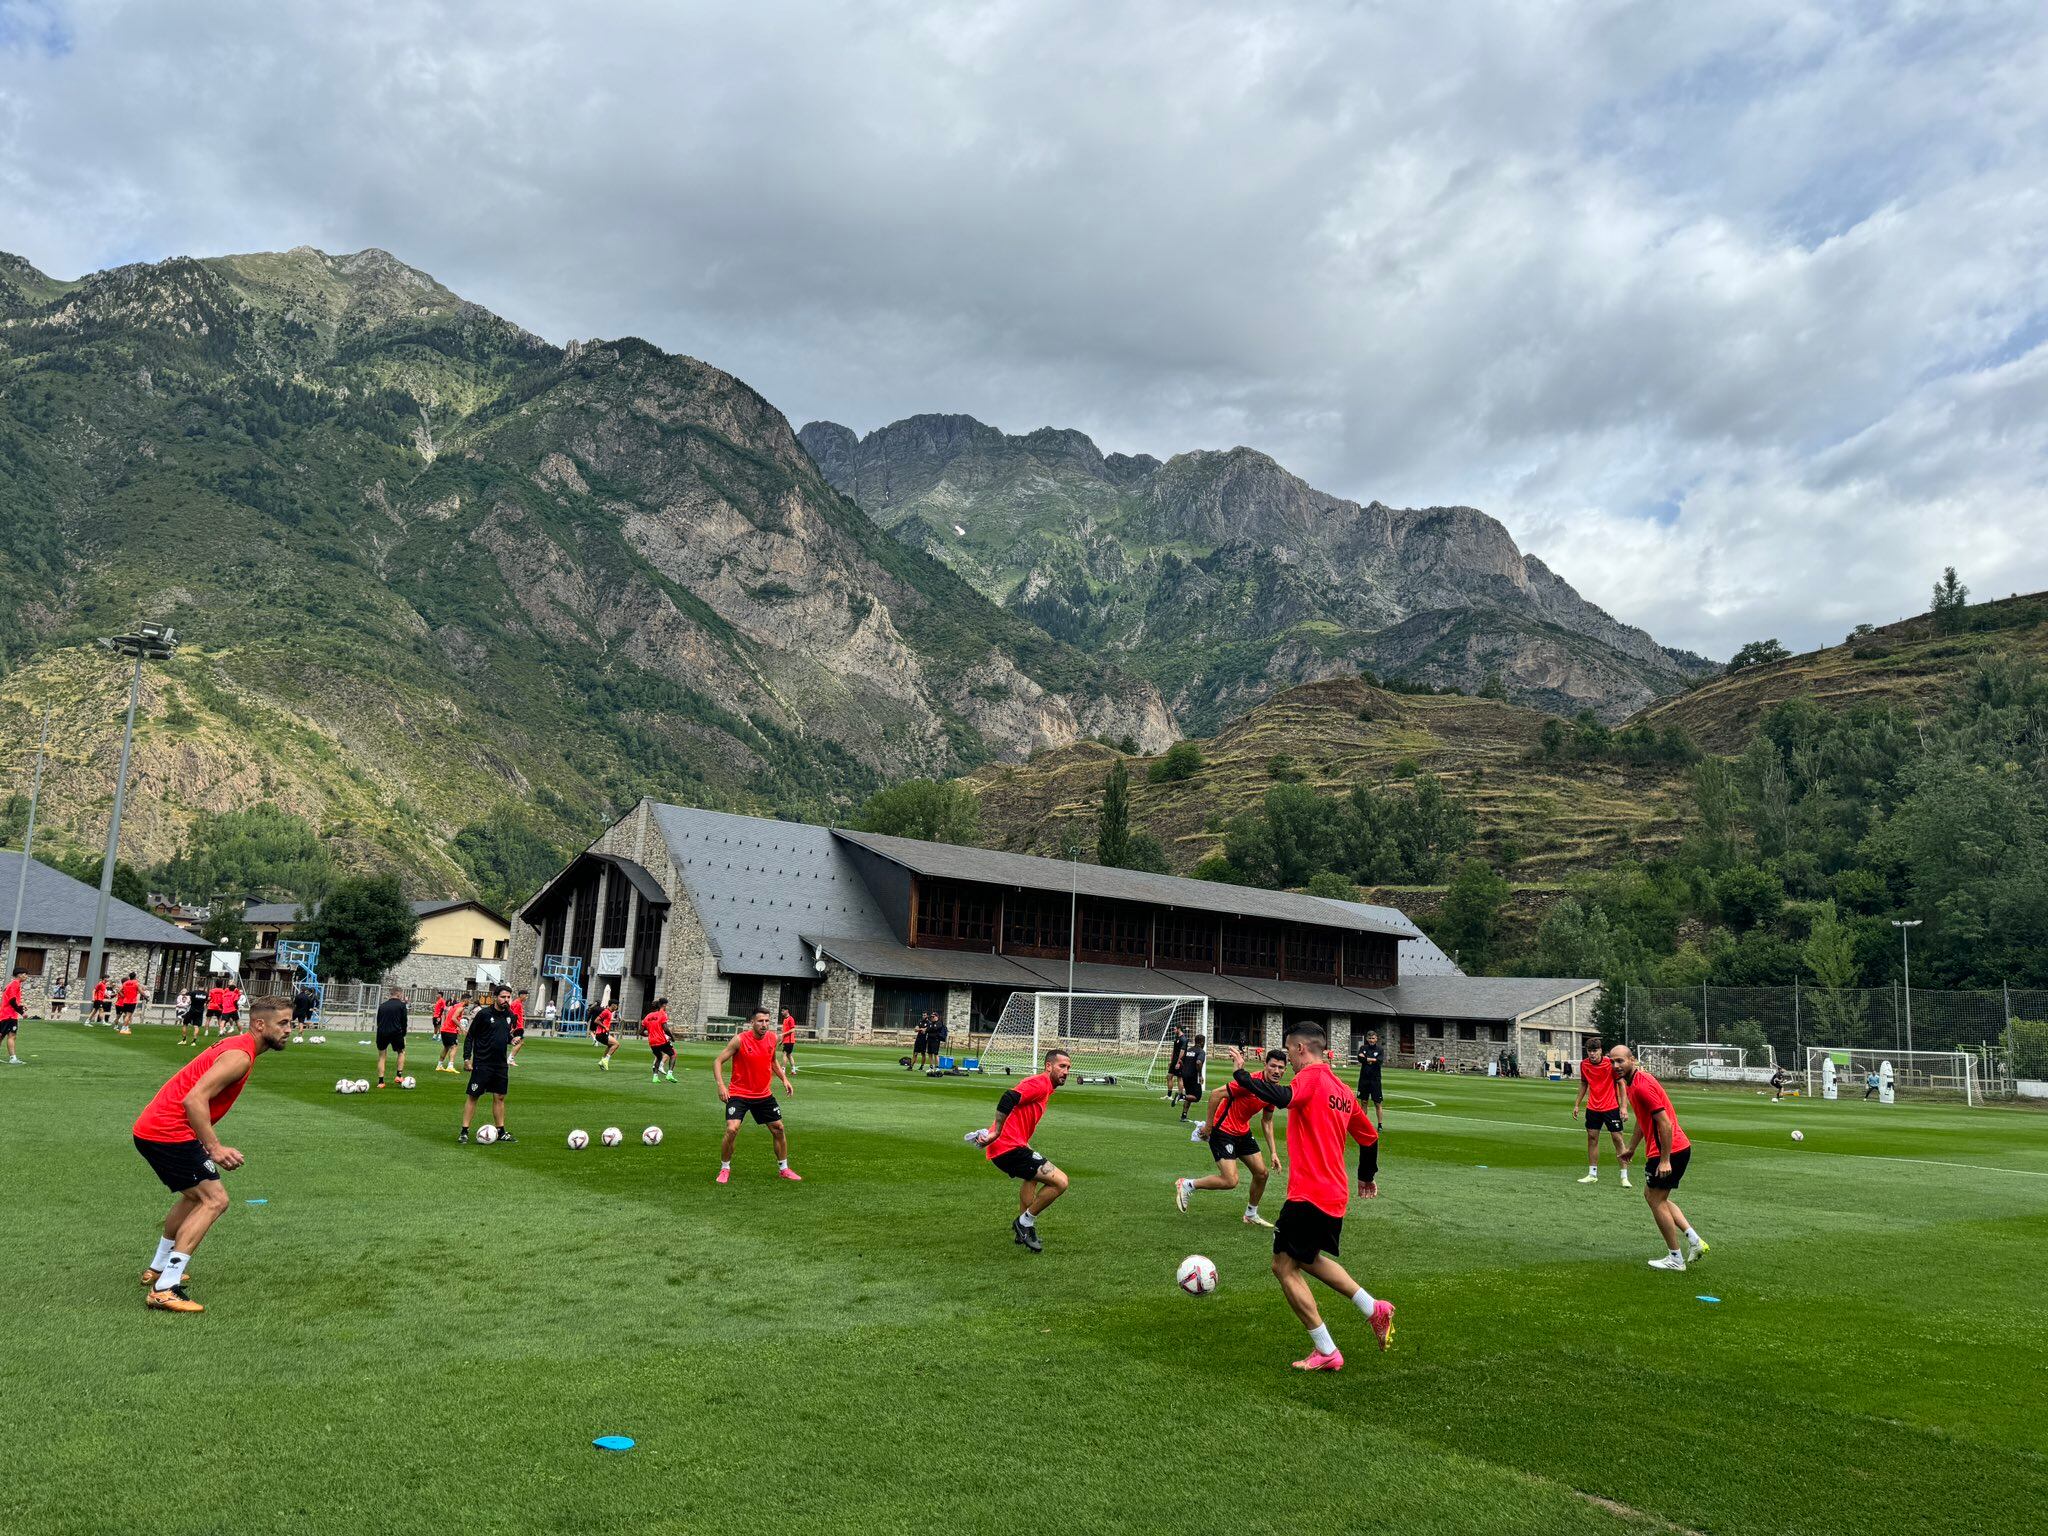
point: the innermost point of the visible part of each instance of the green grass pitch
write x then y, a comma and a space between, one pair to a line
414, 1336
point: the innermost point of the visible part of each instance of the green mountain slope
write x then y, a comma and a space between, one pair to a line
426, 562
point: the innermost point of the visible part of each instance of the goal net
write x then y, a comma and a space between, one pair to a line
1112, 1034
1847, 1072
1707, 1063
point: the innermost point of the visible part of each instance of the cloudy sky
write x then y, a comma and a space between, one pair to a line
1735, 313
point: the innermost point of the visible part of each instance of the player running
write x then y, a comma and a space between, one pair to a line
518, 1029
789, 1039
655, 1022
1229, 1132
601, 1032
451, 1033
486, 1056
176, 1137
1601, 1102
1670, 1151
752, 1054
1008, 1142
1320, 1117
11, 1008
391, 1021
1372, 1059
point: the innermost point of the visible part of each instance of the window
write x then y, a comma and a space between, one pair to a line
618, 899
1468, 1031
498, 949
1311, 954
1251, 948
1498, 1033
1035, 923
1543, 1037
476, 949
1368, 960
1185, 941
30, 960
267, 939
1114, 932
955, 916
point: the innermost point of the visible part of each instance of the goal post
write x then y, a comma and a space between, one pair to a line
1109, 1034
1868, 1072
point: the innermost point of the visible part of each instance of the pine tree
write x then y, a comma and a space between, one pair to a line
1113, 822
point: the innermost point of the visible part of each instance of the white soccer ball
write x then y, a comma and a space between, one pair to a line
319, 1039
362, 1085
486, 1134
406, 1082
1799, 1135
612, 1136
652, 1135
578, 1140
1196, 1275
343, 1085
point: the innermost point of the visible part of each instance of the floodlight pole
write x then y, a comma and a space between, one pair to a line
1906, 951
28, 849
150, 642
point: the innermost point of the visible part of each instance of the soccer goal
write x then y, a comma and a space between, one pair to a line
1109, 1034
1706, 1063
1855, 1072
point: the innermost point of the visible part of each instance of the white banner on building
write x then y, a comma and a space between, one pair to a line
611, 962
225, 962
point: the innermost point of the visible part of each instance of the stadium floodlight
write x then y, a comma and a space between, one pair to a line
1906, 950
150, 642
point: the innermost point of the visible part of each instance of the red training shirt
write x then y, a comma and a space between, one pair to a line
130, 991
1321, 1117
216, 999
1239, 1107
656, 1025
1032, 1096
1645, 1097
603, 1023
163, 1117
451, 1021
1598, 1076
440, 1007
10, 1000
788, 1028
99, 992
518, 1014
753, 1067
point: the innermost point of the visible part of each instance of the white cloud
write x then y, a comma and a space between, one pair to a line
1731, 312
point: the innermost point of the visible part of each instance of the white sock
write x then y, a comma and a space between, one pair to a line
1364, 1300
1320, 1337
725, 1165
1691, 1236
1251, 1210
783, 1164
1593, 1168
1674, 1253
173, 1271
1026, 1220
164, 1248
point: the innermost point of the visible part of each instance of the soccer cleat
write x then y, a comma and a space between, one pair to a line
724, 1176
1624, 1180
1028, 1236
1670, 1261
462, 1137
149, 1279
1254, 1219
1180, 1192
172, 1300
1591, 1178
1694, 1252
506, 1136
1318, 1361
1383, 1323
380, 1082
790, 1174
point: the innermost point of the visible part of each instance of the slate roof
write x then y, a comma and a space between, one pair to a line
59, 907
953, 862
1420, 956
759, 886
1494, 998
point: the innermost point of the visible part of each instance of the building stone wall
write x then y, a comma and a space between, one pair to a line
155, 966
1567, 1021
852, 1001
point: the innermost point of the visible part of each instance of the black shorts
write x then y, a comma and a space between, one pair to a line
789, 1047
764, 1109
1369, 1088
1019, 1163
518, 1031
483, 1080
9, 1026
391, 1038
450, 1038
1305, 1231
1232, 1145
1652, 1179
602, 1036
180, 1164
1604, 1120
666, 1048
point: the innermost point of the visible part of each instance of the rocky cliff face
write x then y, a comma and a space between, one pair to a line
1223, 577
410, 538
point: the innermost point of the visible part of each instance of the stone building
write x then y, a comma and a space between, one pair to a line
461, 945
56, 940
859, 935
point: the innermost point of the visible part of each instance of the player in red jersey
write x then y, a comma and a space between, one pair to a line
1601, 1101
789, 1039
601, 1032
518, 1028
655, 1022
175, 1135
1228, 1130
102, 1004
1008, 1144
1670, 1152
440, 1007
1321, 1116
10, 1015
125, 1002
216, 1003
451, 1034
752, 1054
231, 1008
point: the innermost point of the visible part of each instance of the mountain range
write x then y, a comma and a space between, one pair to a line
1223, 578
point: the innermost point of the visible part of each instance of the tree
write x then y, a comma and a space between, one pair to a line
2030, 1048
1147, 853
1468, 925
1748, 896
1495, 687
1113, 821
1552, 741
1183, 760
507, 858
261, 850
1331, 885
129, 886
364, 927
224, 928
1840, 1015
924, 809
1951, 598
1758, 653
1747, 1035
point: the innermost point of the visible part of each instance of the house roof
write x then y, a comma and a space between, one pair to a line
1420, 956
60, 907
1028, 872
1496, 999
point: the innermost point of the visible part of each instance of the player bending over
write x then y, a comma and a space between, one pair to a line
487, 1056
1321, 1116
391, 1021
752, 1054
1670, 1151
1008, 1140
1602, 1103
655, 1022
601, 1032
176, 1137
1229, 1132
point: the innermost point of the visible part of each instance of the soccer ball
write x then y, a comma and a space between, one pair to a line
343, 1085
612, 1136
1799, 1135
652, 1135
486, 1134
406, 1082
1196, 1275
319, 1039
362, 1085
578, 1140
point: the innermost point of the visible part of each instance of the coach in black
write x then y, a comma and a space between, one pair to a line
391, 1032
1372, 1057
486, 1052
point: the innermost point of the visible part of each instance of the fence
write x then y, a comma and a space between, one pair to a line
1792, 1018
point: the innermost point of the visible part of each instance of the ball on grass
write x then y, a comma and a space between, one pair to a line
406, 1082
652, 1136
578, 1140
486, 1134
1799, 1135
612, 1136
343, 1085
362, 1085
1196, 1275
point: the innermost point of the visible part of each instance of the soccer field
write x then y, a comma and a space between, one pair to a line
408, 1335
